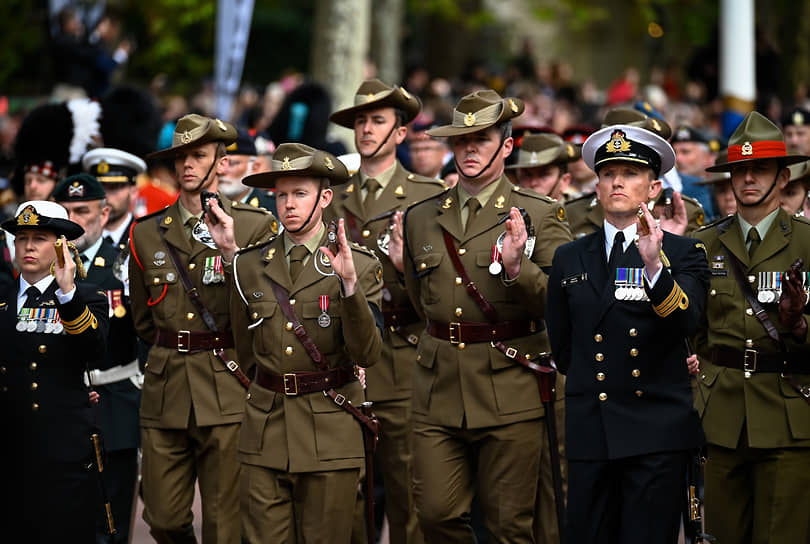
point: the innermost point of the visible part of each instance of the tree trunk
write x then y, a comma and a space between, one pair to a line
386, 39
339, 51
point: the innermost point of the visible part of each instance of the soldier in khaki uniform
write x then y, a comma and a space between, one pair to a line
756, 382
478, 417
192, 404
301, 451
380, 188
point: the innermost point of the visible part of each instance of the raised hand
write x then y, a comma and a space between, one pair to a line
650, 240
64, 274
222, 230
395, 244
514, 243
678, 222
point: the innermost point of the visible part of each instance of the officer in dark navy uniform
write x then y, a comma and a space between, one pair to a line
117, 378
51, 329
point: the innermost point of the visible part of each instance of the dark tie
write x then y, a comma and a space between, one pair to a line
753, 240
472, 207
32, 297
109, 239
85, 258
297, 256
371, 191
616, 252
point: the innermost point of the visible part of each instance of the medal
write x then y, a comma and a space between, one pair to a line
58, 327
116, 303
213, 272
324, 320
31, 326
495, 266
22, 319
21, 326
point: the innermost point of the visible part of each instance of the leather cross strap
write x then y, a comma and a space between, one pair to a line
488, 309
194, 296
739, 275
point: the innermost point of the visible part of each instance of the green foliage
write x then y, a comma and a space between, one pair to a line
23, 38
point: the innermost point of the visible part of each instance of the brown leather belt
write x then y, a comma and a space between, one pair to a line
301, 383
469, 333
193, 341
402, 316
752, 361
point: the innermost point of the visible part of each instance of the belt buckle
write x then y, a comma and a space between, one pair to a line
180, 340
232, 366
750, 362
290, 390
454, 333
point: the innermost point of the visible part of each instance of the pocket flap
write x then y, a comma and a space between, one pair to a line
262, 308
708, 374
159, 276
261, 398
157, 360
426, 351
483, 258
427, 262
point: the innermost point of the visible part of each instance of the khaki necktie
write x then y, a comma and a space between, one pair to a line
297, 256
371, 192
754, 240
472, 208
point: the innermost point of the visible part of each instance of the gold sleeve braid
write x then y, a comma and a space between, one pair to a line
676, 299
81, 323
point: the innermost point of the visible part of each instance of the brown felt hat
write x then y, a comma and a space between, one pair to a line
478, 111
542, 149
193, 130
299, 160
756, 138
373, 94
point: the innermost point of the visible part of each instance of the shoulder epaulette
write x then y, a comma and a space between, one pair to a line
715, 223
694, 201
428, 199
580, 199
362, 249
801, 218
424, 179
253, 247
245, 207
147, 216
532, 194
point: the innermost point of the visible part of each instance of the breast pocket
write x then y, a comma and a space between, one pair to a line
163, 291
260, 313
326, 331
426, 265
723, 290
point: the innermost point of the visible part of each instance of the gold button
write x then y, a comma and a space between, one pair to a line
255, 315
458, 280
292, 302
639, 392
632, 332
749, 343
598, 337
600, 357
35, 407
289, 350
192, 266
600, 376
288, 325
636, 373
248, 396
634, 352
3, 369
33, 366
422, 266
34, 386
43, 348
462, 251
603, 396
190, 316
459, 312
366, 233
156, 281
146, 365
749, 311
713, 292
418, 357
752, 279
462, 345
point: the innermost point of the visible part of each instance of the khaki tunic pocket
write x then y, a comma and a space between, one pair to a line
425, 269
798, 410
337, 433
163, 293
257, 411
424, 375
154, 383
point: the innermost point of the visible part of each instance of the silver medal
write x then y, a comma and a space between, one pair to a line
529, 249
49, 327
40, 326
495, 268
21, 326
620, 294
31, 326
324, 320
58, 327
208, 276
763, 297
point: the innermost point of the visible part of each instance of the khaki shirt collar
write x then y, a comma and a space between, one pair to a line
762, 227
312, 244
384, 178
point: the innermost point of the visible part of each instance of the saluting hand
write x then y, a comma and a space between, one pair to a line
514, 243
222, 230
64, 275
342, 263
395, 245
649, 245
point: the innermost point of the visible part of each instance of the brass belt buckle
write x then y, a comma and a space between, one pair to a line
454, 334
749, 362
290, 384
181, 340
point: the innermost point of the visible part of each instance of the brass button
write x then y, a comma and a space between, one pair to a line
34, 386
599, 357
633, 332
634, 352
418, 357
713, 292
35, 407
603, 396
459, 312
146, 365
636, 373
289, 350
598, 337
749, 343
43, 348
639, 392
749, 311
462, 345
462, 251
156, 281
3, 369
190, 316
752, 279
292, 302
192, 266
255, 315
33, 366
600, 376
422, 266
458, 280
248, 396
288, 326
366, 233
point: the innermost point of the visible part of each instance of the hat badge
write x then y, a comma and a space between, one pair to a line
469, 119
285, 165
328, 163
570, 149
656, 125
76, 190
103, 167
683, 134
221, 125
369, 97
617, 142
798, 118
747, 149
28, 217
513, 106
185, 137
533, 159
